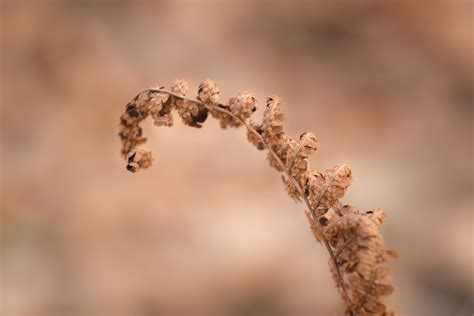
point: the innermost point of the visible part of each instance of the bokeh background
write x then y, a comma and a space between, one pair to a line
387, 86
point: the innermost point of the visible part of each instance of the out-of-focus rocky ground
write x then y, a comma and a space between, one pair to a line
386, 86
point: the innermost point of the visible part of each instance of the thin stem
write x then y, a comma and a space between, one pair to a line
367, 293
338, 208
287, 174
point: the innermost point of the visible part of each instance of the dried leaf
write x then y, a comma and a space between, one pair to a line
326, 188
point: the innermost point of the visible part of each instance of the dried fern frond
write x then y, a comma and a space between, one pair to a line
358, 247
352, 238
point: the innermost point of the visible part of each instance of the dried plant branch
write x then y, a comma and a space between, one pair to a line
351, 238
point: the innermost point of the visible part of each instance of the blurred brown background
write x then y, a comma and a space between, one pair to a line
209, 230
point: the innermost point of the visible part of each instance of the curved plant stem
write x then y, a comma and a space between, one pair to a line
313, 210
367, 293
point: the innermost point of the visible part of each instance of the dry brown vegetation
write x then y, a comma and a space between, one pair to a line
386, 86
351, 237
